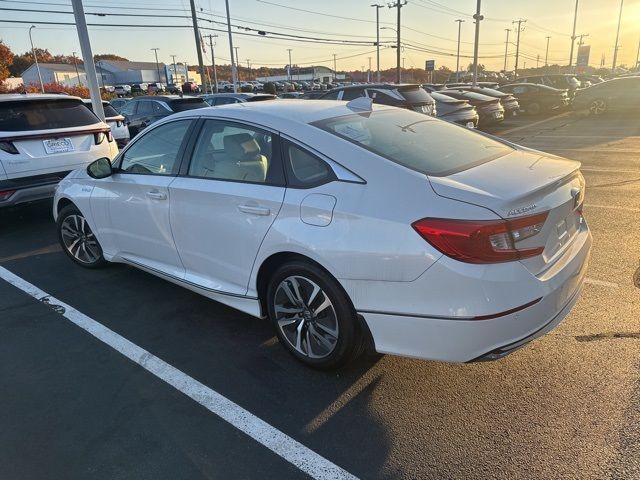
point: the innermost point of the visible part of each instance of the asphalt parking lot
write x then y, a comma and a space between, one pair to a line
566, 406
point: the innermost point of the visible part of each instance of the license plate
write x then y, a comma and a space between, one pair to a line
58, 145
469, 124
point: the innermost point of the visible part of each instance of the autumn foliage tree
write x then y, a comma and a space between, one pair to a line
6, 60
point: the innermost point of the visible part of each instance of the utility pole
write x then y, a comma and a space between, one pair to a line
213, 62
458, 57
35, 58
87, 54
615, 49
237, 62
506, 50
197, 35
249, 68
398, 5
75, 64
234, 72
638, 55
335, 73
477, 17
546, 54
289, 68
573, 35
369, 72
537, 60
155, 50
175, 72
519, 22
377, 7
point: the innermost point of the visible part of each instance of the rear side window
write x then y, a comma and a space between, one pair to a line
416, 95
305, 170
109, 111
415, 141
28, 115
352, 93
187, 104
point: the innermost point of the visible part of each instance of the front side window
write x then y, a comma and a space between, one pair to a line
157, 151
232, 151
415, 141
518, 90
305, 170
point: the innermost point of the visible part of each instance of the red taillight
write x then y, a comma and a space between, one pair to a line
482, 241
4, 194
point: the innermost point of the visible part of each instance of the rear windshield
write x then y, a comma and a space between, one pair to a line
30, 115
423, 144
416, 95
187, 104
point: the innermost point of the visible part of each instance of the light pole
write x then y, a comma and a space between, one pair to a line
615, 48
398, 5
369, 72
175, 72
477, 17
335, 73
506, 49
289, 68
35, 58
573, 35
638, 55
458, 57
519, 22
237, 62
75, 64
234, 72
377, 7
155, 50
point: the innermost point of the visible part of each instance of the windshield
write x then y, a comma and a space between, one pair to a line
417, 142
30, 115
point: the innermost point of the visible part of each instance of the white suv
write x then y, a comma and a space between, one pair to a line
42, 138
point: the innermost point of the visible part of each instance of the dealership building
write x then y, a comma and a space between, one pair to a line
306, 74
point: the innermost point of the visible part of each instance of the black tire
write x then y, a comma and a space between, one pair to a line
86, 251
347, 344
534, 108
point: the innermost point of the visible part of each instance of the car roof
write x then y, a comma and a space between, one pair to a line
162, 98
378, 85
273, 113
35, 96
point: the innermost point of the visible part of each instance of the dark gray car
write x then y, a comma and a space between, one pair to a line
619, 94
215, 99
141, 112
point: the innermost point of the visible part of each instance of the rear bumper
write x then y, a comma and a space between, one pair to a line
451, 333
30, 189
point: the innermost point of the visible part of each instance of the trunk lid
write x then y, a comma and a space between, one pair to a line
525, 183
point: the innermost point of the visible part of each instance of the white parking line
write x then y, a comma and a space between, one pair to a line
613, 207
534, 124
601, 283
281, 444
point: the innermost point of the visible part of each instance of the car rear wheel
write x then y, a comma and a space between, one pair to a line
534, 109
598, 106
313, 317
77, 239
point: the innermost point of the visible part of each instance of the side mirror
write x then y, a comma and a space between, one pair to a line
100, 168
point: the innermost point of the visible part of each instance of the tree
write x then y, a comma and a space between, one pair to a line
109, 56
6, 60
480, 68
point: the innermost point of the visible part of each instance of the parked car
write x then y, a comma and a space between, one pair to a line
118, 103
139, 87
489, 109
216, 99
508, 101
616, 95
142, 111
42, 138
561, 81
592, 79
190, 87
535, 99
108, 88
174, 89
116, 122
156, 87
122, 90
341, 224
404, 95
288, 95
455, 111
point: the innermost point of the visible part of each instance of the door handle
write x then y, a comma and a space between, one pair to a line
254, 210
157, 195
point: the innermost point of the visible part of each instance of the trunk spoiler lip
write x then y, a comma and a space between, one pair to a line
57, 133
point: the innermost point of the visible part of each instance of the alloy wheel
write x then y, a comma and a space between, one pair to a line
79, 240
306, 317
597, 107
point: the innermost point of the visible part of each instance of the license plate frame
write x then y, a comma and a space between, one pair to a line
58, 145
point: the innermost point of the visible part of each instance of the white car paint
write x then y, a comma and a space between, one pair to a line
28, 170
415, 300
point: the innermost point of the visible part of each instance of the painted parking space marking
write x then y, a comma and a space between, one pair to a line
601, 283
613, 207
278, 442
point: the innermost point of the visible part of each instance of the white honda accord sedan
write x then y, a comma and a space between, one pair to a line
345, 224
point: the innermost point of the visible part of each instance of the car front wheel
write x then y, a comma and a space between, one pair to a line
77, 239
313, 317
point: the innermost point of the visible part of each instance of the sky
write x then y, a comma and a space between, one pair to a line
429, 30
